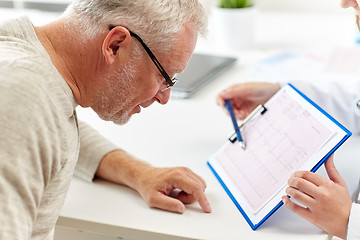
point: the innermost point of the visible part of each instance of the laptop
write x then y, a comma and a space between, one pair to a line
201, 69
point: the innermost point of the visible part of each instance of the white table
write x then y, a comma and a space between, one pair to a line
187, 133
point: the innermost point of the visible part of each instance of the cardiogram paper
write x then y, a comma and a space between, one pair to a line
291, 135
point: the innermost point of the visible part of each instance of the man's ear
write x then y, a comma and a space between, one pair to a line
116, 44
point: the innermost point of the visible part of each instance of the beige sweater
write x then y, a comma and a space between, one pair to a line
41, 141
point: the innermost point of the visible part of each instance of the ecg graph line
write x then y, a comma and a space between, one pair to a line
278, 143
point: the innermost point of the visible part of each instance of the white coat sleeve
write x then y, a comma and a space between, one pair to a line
338, 99
353, 232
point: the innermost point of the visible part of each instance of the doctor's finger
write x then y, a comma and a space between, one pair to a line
303, 185
233, 91
311, 177
220, 100
299, 210
333, 173
300, 196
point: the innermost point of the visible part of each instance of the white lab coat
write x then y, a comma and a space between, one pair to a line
338, 99
342, 101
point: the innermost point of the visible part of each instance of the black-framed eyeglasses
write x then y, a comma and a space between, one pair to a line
168, 82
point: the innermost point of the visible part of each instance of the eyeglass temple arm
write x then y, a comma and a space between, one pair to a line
152, 56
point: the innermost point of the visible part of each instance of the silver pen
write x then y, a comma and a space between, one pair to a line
252, 114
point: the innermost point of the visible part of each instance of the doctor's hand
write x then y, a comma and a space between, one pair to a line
245, 97
327, 202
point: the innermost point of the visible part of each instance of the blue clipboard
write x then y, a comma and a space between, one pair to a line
237, 196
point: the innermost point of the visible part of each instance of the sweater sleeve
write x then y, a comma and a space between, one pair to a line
93, 147
29, 158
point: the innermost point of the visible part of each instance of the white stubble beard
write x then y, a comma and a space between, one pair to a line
114, 102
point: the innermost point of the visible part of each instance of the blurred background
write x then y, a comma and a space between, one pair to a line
322, 13
283, 5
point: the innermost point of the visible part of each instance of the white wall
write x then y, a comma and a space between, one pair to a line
293, 5
301, 5
331, 6
274, 5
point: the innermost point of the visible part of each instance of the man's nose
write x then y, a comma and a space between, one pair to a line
163, 97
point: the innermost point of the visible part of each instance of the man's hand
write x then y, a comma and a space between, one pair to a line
245, 97
164, 188
171, 188
327, 202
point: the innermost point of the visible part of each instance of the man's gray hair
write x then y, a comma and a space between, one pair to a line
155, 21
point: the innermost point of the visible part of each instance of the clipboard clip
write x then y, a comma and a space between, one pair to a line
261, 108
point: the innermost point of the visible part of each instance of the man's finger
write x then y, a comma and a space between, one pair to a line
162, 201
195, 189
185, 198
179, 173
204, 203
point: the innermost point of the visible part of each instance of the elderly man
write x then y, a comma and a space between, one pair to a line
96, 55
